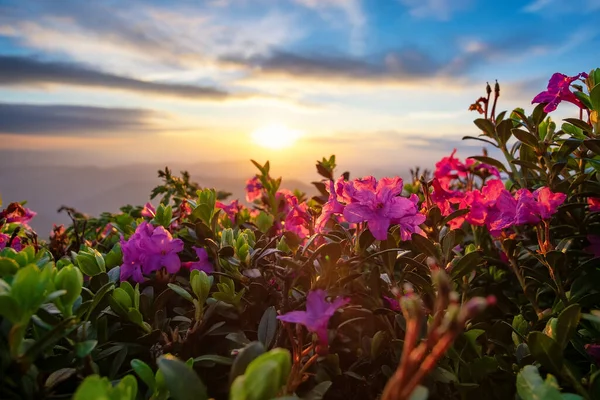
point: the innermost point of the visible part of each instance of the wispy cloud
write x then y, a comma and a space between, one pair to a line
436, 9
558, 7
354, 15
62, 120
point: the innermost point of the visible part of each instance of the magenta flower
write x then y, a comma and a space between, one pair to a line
445, 199
479, 167
594, 203
317, 314
559, 90
203, 264
392, 303
148, 211
253, 189
230, 209
297, 219
147, 250
527, 211
548, 201
593, 351
449, 168
16, 244
333, 206
378, 204
15, 213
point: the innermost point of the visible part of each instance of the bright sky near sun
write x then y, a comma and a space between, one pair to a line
373, 81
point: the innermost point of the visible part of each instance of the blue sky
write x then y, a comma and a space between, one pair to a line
384, 82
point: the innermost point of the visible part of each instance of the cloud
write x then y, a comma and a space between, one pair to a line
64, 120
435, 9
560, 7
23, 71
354, 15
399, 66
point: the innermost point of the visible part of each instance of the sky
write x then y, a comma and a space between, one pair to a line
376, 82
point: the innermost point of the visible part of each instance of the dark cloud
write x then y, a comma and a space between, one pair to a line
26, 71
393, 66
28, 119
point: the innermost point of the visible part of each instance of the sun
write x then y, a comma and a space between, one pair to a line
275, 136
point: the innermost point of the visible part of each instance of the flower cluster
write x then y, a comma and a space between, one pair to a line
450, 169
254, 189
148, 250
379, 204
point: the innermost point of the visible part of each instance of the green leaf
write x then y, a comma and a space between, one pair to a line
93, 388
267, 327
486, 126
420, 393
144, 372
9, 308
425, 246
491, 161
181, 291
83, 349
595, 97
182, 382
525, 137
59, 376
213, 359
8, 266
126, 389
244, 358
466, 264
546, 350
122, 298
566, 326
318, 392
531, 386
584, 126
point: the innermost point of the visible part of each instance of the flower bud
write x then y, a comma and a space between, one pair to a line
488, 88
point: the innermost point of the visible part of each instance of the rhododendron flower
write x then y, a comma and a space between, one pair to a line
203, 264
594, 247
333, 206
317, 314
393, 303
527, 211
297, 219
147, 250
230, 209
593, 351
482, 168
378, 204
548, 201
253, 189
594, 203
449, 168
444, 198
16, 243
148, 211
15, 213
559, 90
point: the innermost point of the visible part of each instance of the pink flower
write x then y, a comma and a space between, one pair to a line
148, 211
317, 314
449, 168
479, 167
16, 243
548, 201
203, 264
333, 206
559, 90
594, 203
445, 199
297, 219
15, 213
594, 247
393, 303
253, 189
230, 209
378, 204
527, 211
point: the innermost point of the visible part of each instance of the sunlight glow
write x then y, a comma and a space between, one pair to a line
275, 136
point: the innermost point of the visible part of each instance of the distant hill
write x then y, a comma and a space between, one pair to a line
93, 190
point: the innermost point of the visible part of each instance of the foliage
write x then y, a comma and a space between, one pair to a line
476, 280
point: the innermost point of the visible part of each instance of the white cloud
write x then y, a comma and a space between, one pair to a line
435, 9
353, 12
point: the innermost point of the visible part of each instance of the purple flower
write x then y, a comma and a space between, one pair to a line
558, 90
148, 211
147, 250
317, 314
378, 204
393, 303
230, 209
15, 213
16, 243
297, 219
203, 264
333, 206
253, 189
593, 351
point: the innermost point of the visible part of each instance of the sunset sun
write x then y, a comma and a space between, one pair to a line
275, 136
